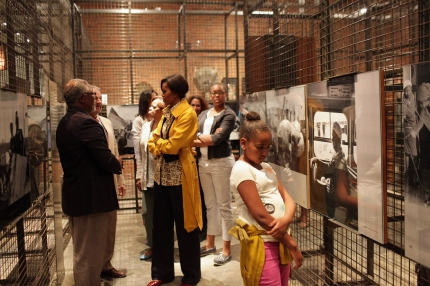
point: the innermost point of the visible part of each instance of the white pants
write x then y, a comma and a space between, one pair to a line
215, 180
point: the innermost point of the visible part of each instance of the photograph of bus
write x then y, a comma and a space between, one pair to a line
332, 149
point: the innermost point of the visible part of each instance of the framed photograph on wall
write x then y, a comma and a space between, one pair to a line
122, 117
14, 180
332, 167
346, 151
370, 155
416, 177
286, 116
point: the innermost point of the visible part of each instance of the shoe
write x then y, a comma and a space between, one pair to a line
113, 273
205, 251
156, 282
183, 284
147, 255
221, 259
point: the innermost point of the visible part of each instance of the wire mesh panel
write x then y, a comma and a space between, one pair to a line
296, 42
36, 59
130, 45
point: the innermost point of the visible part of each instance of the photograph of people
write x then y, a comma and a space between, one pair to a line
332, 147
286, 117
416, 123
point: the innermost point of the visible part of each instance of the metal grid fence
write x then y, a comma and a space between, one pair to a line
296, 42
254, 45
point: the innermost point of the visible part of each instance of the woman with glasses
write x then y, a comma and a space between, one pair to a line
215, 163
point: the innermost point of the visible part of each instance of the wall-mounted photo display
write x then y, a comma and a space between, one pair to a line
370, 155
37, 148
332, 145
253, 102
416, 130
286, 116
122, 117
14, 181
341, 111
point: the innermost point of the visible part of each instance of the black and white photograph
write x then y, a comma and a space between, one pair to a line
14, 183
370, 156
37, 146
122, 117
416, 130
253, 102
286, 116
332, 145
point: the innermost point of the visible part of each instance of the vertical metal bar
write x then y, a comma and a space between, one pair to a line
45, 273
225, 53
130, 25
370, 263
72, 8
236, 18
424, 27
245, 36
185, 41
22, 259
276, 58
368, 36
325, 31
179, 39
328, 239
10, 50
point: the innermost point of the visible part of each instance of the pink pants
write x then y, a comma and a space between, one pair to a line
274, 274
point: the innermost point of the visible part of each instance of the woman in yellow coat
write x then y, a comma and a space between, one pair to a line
176, 194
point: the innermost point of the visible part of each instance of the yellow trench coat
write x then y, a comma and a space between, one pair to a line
181, 140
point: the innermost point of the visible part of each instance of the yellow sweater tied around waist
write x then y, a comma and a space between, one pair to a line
252, 253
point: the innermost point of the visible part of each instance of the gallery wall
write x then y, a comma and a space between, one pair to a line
328, 148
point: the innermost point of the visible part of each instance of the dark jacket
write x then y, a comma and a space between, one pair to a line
221, 141
88, 165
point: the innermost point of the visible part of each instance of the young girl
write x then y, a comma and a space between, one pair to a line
265, 210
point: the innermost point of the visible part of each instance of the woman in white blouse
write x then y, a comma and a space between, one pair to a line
145, 170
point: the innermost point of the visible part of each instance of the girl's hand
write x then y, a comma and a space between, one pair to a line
279, 227
139, 187
297, 257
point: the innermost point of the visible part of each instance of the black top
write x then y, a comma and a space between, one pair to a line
88, 165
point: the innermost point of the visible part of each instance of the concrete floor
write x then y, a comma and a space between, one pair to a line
130, 243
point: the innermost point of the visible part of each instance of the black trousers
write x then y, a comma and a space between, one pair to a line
168, 211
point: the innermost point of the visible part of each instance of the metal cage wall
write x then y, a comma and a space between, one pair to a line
253, 45
288, 43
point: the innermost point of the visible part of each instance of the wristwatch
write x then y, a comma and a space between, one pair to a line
198, 134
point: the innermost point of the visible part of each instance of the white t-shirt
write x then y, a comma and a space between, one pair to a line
267, 186
206, 130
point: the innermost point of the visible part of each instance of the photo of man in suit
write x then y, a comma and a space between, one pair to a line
88, 191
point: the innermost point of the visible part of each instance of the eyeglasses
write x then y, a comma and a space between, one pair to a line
218, 92
89, 93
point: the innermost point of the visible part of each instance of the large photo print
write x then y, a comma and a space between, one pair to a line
332, 145
416, 128
286, 116
14, 182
